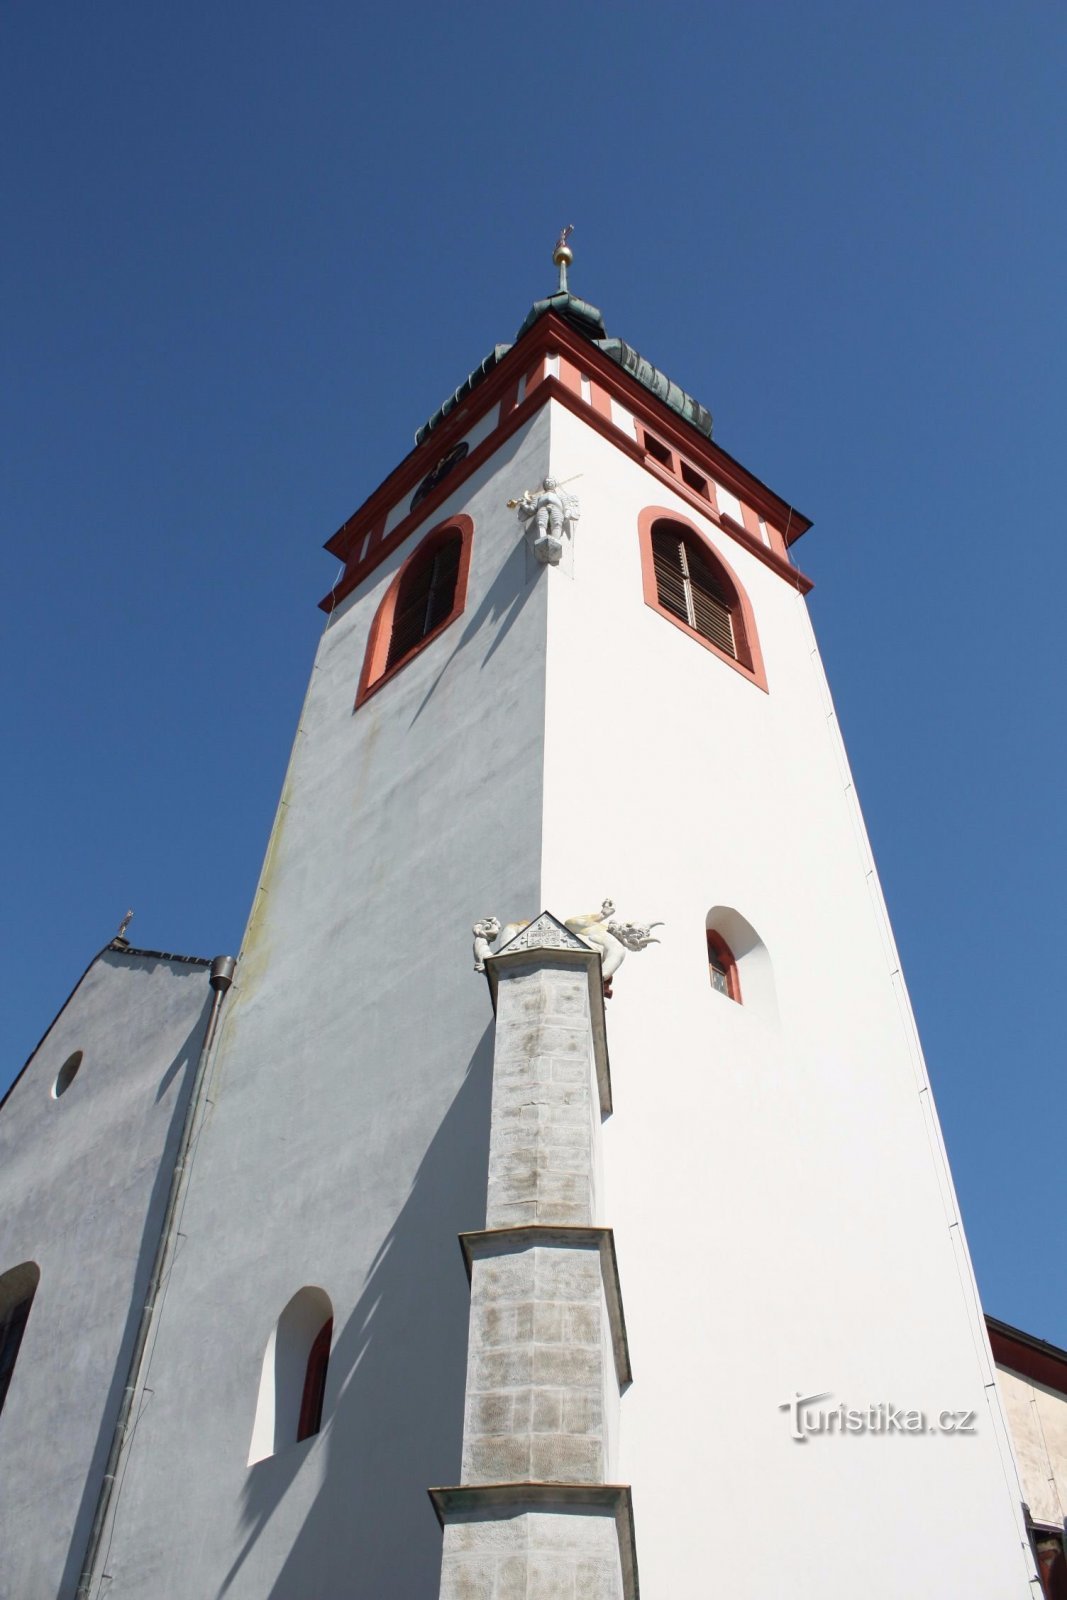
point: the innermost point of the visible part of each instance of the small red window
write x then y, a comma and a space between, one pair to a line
694, 479
315, 1383
659, 451
722, 968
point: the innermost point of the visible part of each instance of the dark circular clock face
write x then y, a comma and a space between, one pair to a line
437, 474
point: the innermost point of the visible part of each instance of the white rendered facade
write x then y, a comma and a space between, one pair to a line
772, 1172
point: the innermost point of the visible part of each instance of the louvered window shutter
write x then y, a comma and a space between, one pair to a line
427, 595
689, 588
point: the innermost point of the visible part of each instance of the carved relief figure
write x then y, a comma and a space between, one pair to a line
484, 934
596, 928
548, 514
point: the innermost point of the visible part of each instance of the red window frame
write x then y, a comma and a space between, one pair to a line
376, 672
723, 956
315, 1383
749, 659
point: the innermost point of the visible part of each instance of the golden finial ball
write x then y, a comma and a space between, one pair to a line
563, 255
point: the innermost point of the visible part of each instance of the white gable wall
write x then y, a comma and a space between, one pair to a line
83, 1186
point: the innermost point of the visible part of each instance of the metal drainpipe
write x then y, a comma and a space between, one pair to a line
220, 978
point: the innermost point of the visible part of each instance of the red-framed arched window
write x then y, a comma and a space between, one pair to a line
315, 1383
690, 583
426, 595
292, 1380
722, 968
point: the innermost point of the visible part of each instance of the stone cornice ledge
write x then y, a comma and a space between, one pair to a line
529, 1235
552, 957
468, 1502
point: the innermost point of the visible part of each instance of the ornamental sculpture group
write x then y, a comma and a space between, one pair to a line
548, 516
597, 928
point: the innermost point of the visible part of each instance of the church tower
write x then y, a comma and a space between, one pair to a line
605, 1257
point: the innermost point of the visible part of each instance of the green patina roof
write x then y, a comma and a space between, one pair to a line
586, 320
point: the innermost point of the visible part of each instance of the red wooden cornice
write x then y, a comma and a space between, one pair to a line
1033, 1358
551, 336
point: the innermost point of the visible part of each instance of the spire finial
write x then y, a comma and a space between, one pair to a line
123, 925
563, 255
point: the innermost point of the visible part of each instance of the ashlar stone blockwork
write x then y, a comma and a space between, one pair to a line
502, 1553
536, 1373
545, 1109
547, 1344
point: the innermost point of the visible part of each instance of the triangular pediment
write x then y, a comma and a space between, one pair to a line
545, 932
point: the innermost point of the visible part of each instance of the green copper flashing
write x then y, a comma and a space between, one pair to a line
652, 378
586, 320
578, 314
471, 381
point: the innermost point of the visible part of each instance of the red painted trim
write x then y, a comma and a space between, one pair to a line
777, 539
731, 525
749, 660
648, 439
508, 401
751, 522
535, 374
552, 389
756, 547
718, 948
374, 675
315, 1383
549, 335
1043, 1363
570, 376
600, 400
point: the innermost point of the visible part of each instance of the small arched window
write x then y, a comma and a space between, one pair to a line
292, 1384
17, 1289
739, 964
687, 581
722, 968
426, 595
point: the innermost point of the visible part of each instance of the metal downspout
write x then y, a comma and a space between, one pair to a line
220, 978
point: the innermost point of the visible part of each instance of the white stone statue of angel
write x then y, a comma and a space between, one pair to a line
548, 515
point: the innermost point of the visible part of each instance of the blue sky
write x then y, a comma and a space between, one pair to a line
253, 247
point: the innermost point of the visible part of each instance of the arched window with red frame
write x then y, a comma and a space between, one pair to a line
722, 968
426, 595
315, 1383
690, 583
292, 1384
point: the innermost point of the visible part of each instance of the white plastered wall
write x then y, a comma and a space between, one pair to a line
783, 1212
345, 1136
83, 1189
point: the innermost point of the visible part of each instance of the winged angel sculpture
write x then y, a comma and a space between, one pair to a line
548, 515
597, 928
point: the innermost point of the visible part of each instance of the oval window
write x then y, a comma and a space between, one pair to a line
67, 1074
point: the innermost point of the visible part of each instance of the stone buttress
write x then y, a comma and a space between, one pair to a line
535, 1514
